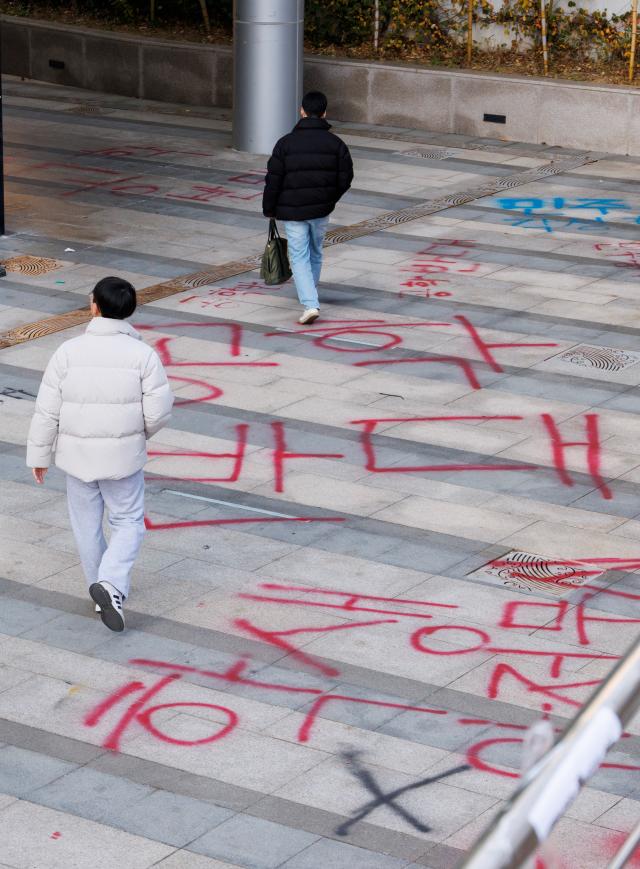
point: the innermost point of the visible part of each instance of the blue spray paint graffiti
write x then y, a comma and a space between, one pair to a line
535, 212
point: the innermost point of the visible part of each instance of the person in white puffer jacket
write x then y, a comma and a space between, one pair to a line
103, 394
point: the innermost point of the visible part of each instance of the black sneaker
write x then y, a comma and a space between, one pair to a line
110, 602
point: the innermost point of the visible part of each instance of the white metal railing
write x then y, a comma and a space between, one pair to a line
555, 781
626, 852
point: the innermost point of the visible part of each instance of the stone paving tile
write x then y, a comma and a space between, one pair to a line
75, 633
16, 497
23, 771
253, 842
28, 841
90, 794
189, 860
17, 616
329, 853
40, 742
28, 562
265, 764
443, 811
623, 816
480, 523
153, 814
169, 818
48, 704
405, 536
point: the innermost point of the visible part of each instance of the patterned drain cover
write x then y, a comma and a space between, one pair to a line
219, 273
31, 265
603, 358
87, 109
433, 154
525, 571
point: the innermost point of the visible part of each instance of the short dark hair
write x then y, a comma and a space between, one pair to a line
315, 104
115, 298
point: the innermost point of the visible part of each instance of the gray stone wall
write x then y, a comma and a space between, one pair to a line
174, 72
573, 115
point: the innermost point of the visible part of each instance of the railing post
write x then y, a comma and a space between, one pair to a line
555, 781
2, 226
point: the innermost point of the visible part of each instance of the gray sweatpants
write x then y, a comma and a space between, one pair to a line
124, 500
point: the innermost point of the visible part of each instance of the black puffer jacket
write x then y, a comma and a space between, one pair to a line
308, 172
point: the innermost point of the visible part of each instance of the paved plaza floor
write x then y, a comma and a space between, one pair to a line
379, 548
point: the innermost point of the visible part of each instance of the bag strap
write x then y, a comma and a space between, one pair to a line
273, 229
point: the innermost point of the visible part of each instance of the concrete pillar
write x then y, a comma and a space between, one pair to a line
2, 227
267, 71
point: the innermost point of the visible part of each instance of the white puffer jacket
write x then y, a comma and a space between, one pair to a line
102, 395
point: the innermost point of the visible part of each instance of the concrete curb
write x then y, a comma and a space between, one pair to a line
551, 112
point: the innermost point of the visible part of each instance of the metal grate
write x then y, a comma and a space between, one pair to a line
219, 273
525, 571
87, 109
433, 154
31, 265
601, 358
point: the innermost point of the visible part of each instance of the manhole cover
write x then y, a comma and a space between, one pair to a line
431, 154
603, 358
525, 571
31, 265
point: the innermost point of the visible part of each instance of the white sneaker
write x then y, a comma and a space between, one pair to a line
98, 610
110, 602
310, 315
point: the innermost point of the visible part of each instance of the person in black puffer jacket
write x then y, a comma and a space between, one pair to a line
309, 171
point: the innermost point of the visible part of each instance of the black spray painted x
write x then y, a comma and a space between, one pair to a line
389, 799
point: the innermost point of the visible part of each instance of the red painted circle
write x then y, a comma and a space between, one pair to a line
145, 719
416, 639
393, 342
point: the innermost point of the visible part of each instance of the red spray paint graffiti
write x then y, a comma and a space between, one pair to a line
626, 252
276, 638
369, 429
220, 297
120, 185
351, 601
210, 392
335, 331
281, 453
237, 456
141, 151
163, 345
592, 444
438, 258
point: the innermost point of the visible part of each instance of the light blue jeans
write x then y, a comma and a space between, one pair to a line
124, 500
305, 238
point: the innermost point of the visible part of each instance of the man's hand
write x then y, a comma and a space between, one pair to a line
39, 475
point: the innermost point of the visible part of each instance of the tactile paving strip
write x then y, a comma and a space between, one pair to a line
525, 571
335, 236
31, 265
